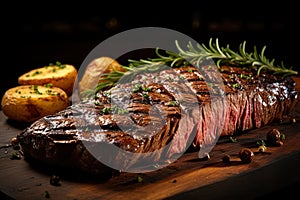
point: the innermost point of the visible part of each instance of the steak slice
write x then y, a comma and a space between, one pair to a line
250, 102
131, 127
153, 119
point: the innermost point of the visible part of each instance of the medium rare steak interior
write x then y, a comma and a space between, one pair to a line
156, 117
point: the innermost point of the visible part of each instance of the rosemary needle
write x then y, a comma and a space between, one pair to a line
196, 56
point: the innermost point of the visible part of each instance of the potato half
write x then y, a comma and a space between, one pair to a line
95, 68
59, 75
27, 103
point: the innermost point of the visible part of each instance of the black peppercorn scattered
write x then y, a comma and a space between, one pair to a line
14, 141
54, 180
246, 155
273, 136
226, 158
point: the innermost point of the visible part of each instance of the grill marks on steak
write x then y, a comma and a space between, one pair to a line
249, 102
257, 101
149, 116
137, 122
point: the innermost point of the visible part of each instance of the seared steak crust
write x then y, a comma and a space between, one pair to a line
161, 114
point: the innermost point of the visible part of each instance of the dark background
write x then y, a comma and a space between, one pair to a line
35, 34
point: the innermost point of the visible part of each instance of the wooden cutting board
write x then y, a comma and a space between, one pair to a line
188, 178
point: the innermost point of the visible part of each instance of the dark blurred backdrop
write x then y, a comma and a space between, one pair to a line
35, 34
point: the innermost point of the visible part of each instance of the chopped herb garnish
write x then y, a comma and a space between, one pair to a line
15, 156
106, 110
140, 179
122, 111
232, 139
51, 92
236, 85
282, 136
261, 143
210, 84
114, 110
48, 85
136, 87
107, 93
62, 66
145, 95
36, 73
140, 88
36, 91
170, 79
173, 103
245, 76
58, 64
231, 76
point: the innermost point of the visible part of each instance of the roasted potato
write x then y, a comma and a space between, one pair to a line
59, 75
27, 103
92, 73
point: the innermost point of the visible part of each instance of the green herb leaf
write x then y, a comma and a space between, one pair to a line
282, 136
232, 139
140, 179
261, 143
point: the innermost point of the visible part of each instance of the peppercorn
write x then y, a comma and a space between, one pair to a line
246, 155
54, 180
273, 136
14, 141
226, 158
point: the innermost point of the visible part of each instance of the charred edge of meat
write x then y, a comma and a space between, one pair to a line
251, 102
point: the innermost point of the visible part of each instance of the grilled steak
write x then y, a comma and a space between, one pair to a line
152, 119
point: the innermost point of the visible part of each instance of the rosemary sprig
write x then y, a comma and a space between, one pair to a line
225, 55
195, 56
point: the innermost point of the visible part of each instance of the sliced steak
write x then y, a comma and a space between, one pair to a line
250, 102
153, 119
133, 126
